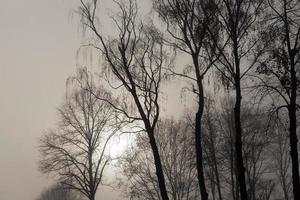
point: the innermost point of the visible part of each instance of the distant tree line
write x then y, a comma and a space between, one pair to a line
57, 192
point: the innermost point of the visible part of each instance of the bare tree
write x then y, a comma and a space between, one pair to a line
76, 150
239, 50
134, 60
177, 154
210, 140
224, 124
256, 140
58, 192
219, 129
187, 24
279, 73
281, 158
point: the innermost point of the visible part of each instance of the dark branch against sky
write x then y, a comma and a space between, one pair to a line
39, 40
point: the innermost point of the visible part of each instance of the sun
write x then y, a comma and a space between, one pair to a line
119, 144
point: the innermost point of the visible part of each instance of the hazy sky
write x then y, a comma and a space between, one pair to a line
38, 44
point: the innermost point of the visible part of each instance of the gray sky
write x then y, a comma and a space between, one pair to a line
38, 44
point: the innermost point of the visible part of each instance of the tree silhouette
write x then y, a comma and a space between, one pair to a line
76, 150
134, 59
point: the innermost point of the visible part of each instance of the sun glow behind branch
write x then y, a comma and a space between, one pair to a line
119, 144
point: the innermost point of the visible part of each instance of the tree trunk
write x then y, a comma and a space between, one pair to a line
292, 108
199, 151
154, 148
92, 197
294, 153
90, 171
237, 122
238, 144
199, 156
198, 131
293, 135
158, 165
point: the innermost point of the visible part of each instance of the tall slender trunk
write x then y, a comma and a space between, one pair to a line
293, 135
158, 165
234, 188
294, 152
292, 110
238, 144
90, 171
198, 131
238, 127
199, 156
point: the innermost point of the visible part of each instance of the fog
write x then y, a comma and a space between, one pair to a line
39, 40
